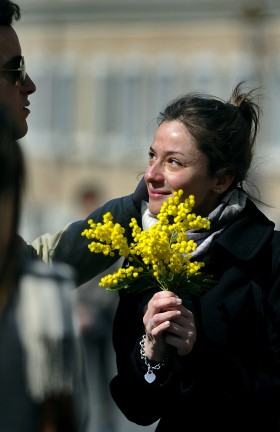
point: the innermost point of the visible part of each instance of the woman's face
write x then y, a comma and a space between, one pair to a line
176, 163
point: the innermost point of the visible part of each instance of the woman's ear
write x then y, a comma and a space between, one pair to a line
223, 183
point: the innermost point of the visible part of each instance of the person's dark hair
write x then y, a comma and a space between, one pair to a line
225, 131
9, 12
12, 179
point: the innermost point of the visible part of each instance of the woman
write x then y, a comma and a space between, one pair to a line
215, 365
41, 373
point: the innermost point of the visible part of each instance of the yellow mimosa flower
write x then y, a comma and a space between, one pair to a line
160, 256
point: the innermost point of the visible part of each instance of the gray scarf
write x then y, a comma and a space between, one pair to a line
230, 206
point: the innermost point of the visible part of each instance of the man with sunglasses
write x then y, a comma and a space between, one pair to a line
15, 84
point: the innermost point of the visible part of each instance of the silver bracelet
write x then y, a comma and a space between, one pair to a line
149, 375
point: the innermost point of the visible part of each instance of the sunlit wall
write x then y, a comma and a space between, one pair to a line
104, 69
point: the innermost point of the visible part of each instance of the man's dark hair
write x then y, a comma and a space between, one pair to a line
9, 12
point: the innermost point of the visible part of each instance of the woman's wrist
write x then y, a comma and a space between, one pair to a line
152, 365
152, 351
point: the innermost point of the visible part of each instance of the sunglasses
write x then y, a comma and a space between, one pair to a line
14, 70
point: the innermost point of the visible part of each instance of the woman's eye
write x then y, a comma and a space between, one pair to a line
175, 162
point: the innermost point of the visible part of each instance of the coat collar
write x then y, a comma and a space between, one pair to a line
247, 234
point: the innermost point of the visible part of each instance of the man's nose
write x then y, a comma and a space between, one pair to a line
29, 85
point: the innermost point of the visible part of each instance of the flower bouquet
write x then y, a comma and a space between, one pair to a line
157, 257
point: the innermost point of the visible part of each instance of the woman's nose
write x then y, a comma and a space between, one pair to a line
154, 173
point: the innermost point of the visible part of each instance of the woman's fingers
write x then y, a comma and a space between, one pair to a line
181, 338
160, 302
167, 321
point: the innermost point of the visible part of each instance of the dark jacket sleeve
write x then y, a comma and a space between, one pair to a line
273, 307
70, 247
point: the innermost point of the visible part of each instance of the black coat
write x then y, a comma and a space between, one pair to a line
231, 380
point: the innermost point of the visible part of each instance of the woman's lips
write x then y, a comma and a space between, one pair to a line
156, 194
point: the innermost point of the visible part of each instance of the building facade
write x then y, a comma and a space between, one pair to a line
105, 68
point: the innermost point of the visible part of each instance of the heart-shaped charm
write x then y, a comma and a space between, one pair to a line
150, 376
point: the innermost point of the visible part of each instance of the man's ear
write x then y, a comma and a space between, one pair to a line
223, 183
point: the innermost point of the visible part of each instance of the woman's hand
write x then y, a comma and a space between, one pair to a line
168, 323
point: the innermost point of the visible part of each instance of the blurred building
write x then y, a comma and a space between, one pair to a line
105, 68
